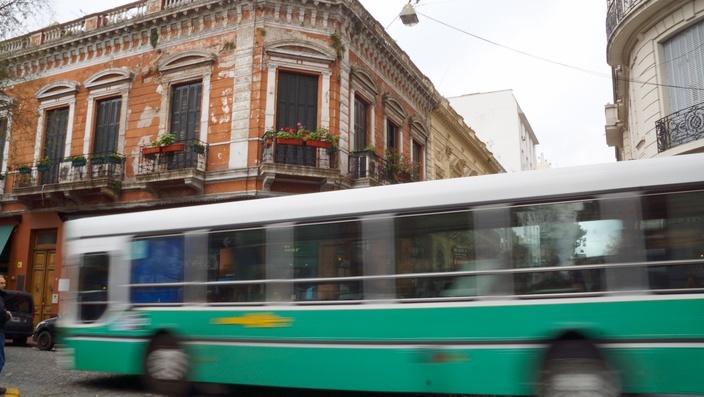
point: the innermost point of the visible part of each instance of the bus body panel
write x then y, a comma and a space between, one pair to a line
412, 348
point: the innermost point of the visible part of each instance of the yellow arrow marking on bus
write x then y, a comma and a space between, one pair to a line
255, 320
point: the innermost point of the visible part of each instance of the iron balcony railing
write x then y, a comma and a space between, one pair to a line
681, 127
618, 10
70, 170
274, 152
189, 154
367, 164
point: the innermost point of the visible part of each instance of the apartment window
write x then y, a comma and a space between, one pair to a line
684, 65
107, 125
417, 157
391, 136
3, 138
361, 111
186, 101
297, 102
54, 142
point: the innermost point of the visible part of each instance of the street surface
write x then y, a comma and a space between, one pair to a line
35, 374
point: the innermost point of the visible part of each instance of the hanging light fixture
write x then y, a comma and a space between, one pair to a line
408, 15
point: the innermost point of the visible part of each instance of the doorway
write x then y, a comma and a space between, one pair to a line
43, 265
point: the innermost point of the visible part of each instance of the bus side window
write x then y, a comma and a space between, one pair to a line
157, 261
673, 227
236, 256
430, 245
327, 250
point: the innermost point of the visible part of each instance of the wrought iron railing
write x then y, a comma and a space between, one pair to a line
274, 152
70, 170
616, 11
681, 127
189, 154
367, 164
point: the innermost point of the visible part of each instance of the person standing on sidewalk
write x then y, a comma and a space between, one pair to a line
5, 316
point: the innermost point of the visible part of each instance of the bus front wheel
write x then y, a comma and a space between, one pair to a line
577, 376
166, 367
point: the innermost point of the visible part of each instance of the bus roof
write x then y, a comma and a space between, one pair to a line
488, 189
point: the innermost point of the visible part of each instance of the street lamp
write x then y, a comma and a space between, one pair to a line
408, 15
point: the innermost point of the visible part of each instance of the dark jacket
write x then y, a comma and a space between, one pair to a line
3, 312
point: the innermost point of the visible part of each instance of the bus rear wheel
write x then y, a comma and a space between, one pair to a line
166, 367
577, 376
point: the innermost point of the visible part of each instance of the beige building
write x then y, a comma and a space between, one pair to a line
656, 51
456, 151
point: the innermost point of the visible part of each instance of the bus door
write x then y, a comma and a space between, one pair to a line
98, 274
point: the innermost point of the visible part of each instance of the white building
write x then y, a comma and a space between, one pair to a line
501, 124
656, 51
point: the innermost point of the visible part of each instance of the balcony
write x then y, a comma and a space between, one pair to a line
173, 167
680, 128
617, 11
366, 168
289, 164
65, 181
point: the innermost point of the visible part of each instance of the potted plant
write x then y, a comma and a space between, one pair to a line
322, 138
290, 136
167, 142
114, 158
78, 160
197, 147
44, 163
97, 158
24, 169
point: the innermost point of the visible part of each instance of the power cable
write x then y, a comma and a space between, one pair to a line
583, 70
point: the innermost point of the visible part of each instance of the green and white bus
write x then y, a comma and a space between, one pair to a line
586, 279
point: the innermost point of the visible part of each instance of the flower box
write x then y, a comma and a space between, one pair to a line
289, 141
319, 144
197, 148
176, 147
25, 170
151, 150
78, 162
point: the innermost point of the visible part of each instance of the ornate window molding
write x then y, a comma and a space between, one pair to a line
55, 95
104, 84
182, 68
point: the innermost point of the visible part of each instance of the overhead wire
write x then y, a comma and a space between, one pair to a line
579, 69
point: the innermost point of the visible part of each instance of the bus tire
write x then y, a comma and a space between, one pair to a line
166, 367
577, 376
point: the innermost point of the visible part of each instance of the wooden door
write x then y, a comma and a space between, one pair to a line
42, 282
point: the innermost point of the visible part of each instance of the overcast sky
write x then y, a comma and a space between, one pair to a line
555, 62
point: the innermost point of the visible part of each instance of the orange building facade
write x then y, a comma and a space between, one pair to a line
165, 103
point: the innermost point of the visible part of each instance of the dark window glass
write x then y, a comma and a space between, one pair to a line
186, 102
54, 141
93, 286
237, 264
296, 102
3, 137
391, 136
673, 226
360, 124
107, 125
328, 250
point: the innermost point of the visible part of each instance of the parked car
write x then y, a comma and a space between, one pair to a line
21, 327
45, 334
